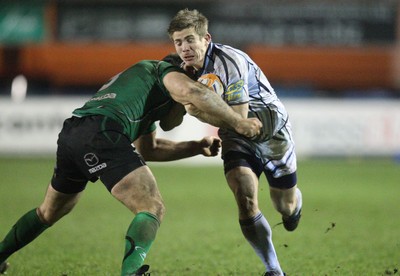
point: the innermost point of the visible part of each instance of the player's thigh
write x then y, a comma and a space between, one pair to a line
243, 182
285, 195
139, 192
242, 179
284, 200
242, 172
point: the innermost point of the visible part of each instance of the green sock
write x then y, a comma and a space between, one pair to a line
139, 238
27, 228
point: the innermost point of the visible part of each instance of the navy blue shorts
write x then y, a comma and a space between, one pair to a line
90, 148
234, 159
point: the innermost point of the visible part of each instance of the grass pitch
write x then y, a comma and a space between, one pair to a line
350, 223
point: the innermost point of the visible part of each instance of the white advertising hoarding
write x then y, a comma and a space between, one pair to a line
320, 127
32, 126
345, 127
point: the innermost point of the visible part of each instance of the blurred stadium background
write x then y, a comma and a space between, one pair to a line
335, 65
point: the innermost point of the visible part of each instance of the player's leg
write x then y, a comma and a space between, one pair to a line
138, 191
243, 182
285, 195
126, 176
280, 168
61, 196
56, 205
244, 185
284, 200
288, 202
34, 222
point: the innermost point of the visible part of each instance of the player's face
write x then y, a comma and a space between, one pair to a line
191, 47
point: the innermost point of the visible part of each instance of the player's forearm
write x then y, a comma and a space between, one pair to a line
213, 110
167, 150
216, 121
212, 120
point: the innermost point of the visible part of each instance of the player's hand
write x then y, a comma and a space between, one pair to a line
249, 127
190, 71
173, 118
210, 145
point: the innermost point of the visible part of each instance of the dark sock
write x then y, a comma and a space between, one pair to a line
25, 230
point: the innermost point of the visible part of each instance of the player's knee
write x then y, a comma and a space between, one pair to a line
154, 206
246, 199
45, 216
160, 210
248, 207
51, 214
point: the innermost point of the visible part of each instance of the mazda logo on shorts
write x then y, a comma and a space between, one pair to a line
91, 159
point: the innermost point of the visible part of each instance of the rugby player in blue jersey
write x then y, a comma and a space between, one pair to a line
272, 152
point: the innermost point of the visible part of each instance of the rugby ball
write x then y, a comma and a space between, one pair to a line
213, 82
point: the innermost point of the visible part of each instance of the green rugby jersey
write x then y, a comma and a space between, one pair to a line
135, 98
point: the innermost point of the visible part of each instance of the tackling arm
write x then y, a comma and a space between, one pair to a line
204, 117
156, 149
186, 91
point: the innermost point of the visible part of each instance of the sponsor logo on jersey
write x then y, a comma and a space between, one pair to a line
105, 96
234, 91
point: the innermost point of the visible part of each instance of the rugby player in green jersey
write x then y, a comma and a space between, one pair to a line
110, 138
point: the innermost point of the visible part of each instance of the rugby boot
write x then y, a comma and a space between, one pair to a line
3, 267
142, 271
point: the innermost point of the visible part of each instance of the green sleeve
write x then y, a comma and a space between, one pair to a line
150, 129
165, 68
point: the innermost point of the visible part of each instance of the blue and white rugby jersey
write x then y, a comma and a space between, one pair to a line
244, 82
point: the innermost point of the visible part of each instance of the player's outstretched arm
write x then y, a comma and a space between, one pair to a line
156, 149
187, 91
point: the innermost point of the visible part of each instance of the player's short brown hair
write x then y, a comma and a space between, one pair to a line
185, 19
